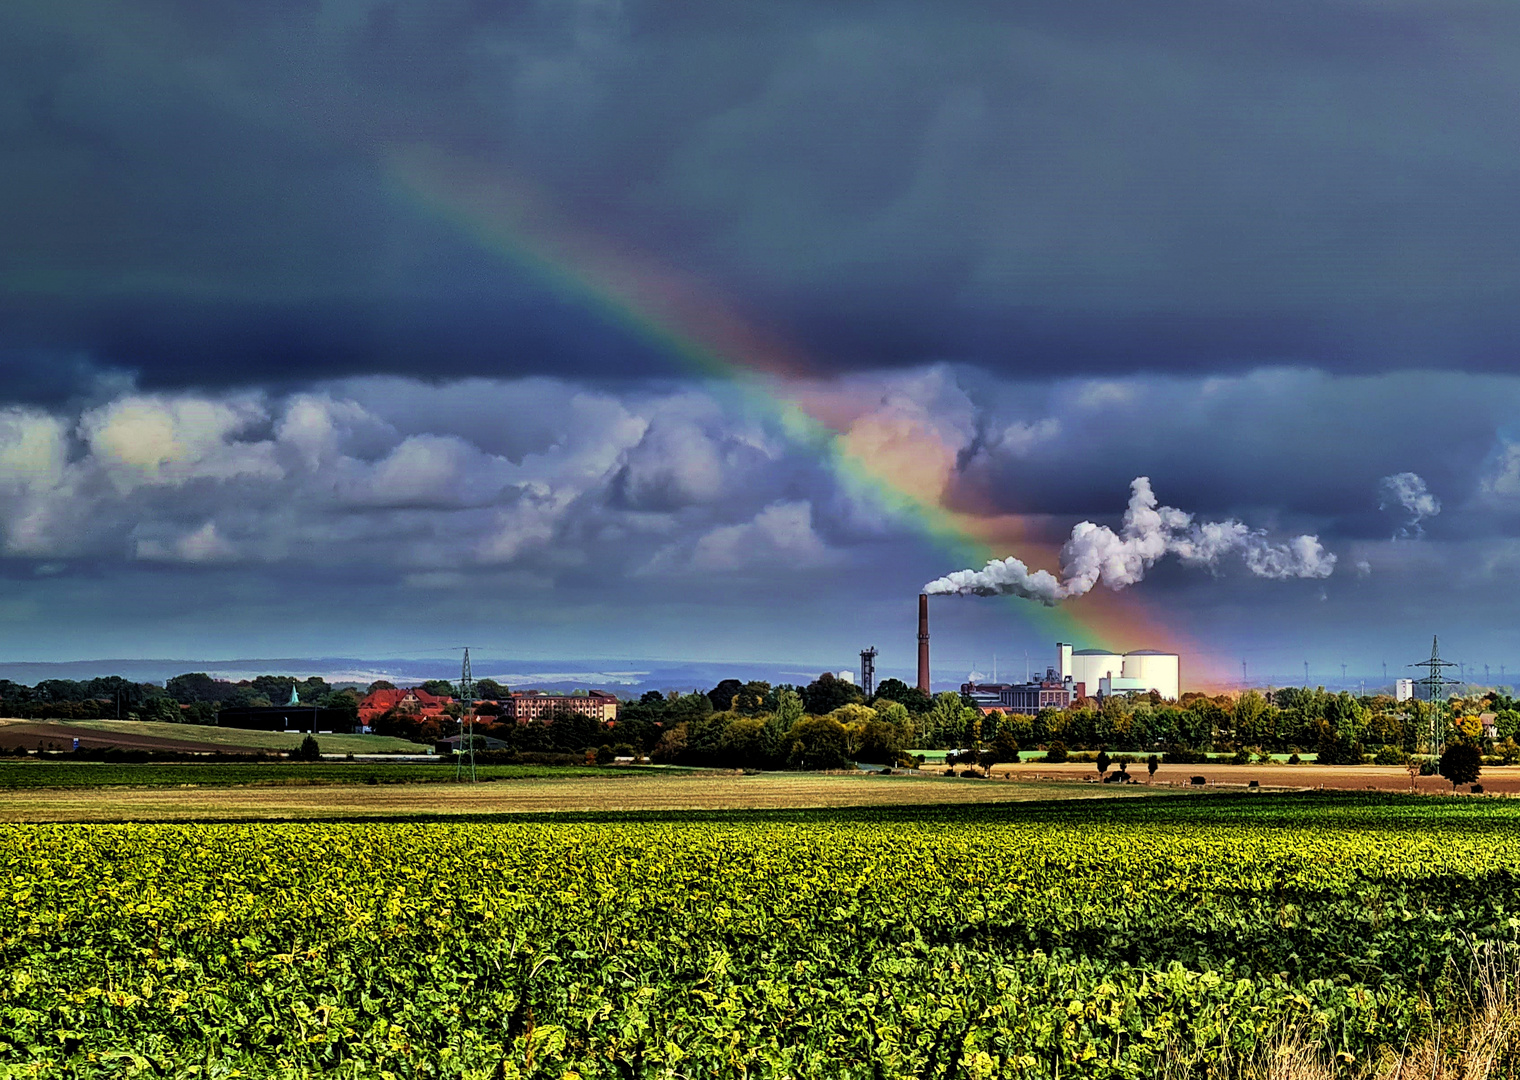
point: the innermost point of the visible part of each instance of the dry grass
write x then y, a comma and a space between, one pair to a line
1484, 1044
685, 791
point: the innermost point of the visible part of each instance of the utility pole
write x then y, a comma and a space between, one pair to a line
1436, 684
1306, 674
1343, 673
1244, 679
1385, 670
1486, 678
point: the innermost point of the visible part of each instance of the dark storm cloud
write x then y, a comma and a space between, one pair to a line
196, 192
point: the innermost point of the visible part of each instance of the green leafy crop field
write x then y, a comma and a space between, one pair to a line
1114, 938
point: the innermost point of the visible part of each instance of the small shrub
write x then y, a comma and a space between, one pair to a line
1241, 757
1056, 755
1390, 755
1199, 781
1477, 789
308, 750
1294, 759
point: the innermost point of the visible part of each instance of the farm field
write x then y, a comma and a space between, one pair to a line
1106, 938
152, 735
539, 791
21, 775
1501, 780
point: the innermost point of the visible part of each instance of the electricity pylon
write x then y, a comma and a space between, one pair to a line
467, 696
1435, 685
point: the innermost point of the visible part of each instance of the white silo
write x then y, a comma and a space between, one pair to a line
1160, 671
1090, 665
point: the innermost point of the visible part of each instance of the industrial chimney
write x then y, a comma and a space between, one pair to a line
923, 642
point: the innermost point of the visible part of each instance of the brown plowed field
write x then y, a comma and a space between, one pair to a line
54, 735
1497, 780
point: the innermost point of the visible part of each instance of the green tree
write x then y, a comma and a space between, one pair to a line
164, 710
1103, 762
817, 742
491, 690
827, 693
755, 698
1151, 764
1461, 763
308, 750
380, 684
439, 687
910, 697
197, 686
1005, 747
722, 696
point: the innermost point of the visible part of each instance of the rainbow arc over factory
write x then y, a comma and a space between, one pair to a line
697, 331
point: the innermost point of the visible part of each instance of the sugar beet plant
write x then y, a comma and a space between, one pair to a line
1108, 941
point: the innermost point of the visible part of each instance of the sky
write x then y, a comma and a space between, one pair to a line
715, 331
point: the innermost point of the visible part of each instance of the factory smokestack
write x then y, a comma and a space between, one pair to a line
923, 642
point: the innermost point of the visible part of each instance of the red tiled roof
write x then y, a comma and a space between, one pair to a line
382, 699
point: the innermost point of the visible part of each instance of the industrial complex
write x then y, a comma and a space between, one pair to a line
1077, 673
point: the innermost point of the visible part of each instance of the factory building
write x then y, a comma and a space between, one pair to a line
1139, 671
1051, 692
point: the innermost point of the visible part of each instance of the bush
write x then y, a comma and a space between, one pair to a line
1294, 759
1241, 757
1181, 755
309, 750
1390, 755
1477, 789
1056, 754
604, 755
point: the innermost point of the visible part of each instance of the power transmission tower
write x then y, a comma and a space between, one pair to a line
1436, 684
1343, 673
1486, 677
467, 697
1244, 679
1306, 674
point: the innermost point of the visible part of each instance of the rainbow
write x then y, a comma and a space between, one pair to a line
696, 329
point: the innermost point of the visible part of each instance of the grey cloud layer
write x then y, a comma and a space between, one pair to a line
1064, 187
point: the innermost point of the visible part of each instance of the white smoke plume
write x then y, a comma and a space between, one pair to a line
1407, 491
1095, 553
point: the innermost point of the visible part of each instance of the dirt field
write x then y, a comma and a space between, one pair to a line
675, 792
1495, 780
